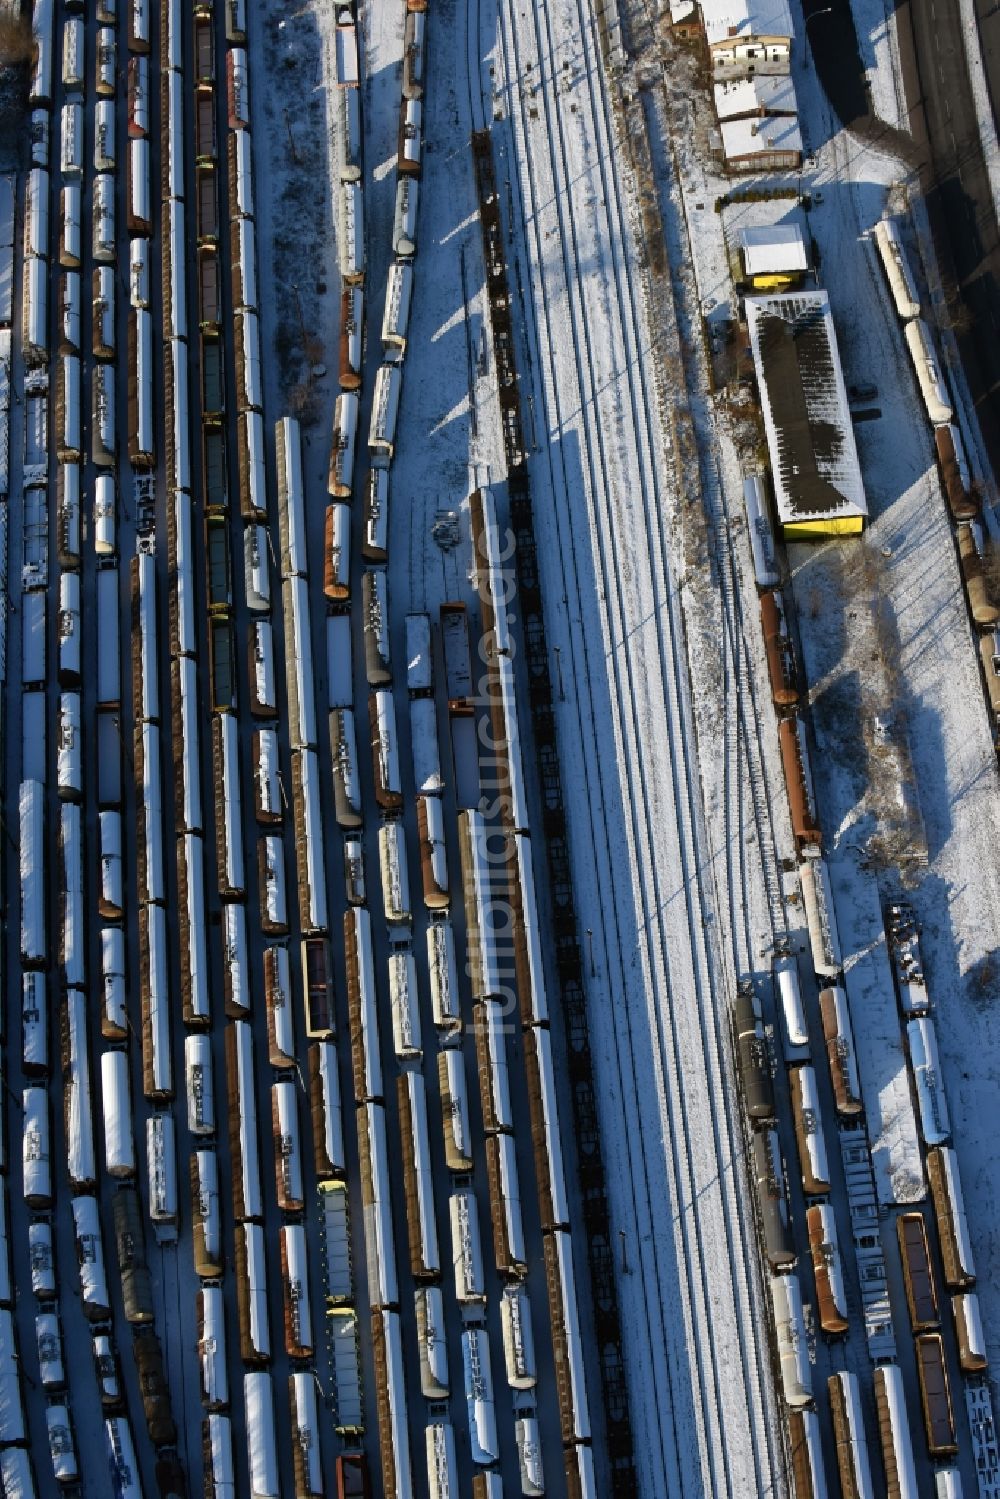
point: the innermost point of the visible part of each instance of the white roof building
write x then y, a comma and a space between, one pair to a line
774, 250
727, 20
762, 94
815, 472
773, 141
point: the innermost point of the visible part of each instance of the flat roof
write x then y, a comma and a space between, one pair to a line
814, 460
750, 137
764, 93
723, 19
773, 248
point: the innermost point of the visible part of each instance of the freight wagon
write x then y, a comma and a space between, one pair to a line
287, 1151
418, 1187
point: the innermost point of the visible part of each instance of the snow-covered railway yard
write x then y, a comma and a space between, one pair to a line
439, 1237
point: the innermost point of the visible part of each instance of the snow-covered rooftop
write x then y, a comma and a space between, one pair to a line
764, 93
771, 249
745, 18
751, 137
814, 460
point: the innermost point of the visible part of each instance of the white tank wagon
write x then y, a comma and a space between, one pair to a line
31, 845
238, 86
790, 1335
505, 1206
206, 1219
122, 1464
34, 1027
385, 410
299, 664
69, 420
271, 883
337, 553
278, 1003
795, 1031
809, 1131
90, 1259
103, 436
252, 466
251, 1294
41, 1256
518, 1339
482, 875
247, 1198
897, 269
375, 539
235, 961
243, 255
484, 1445
362, 1003
194, 976
335, 1238
376, 1200
433, 853
352, 327
51, 1365
466, 1249
149, 824
62, 1451
817, 897
199, 1085
36, 1157
529, 1453
455, 1110
299, 1342
347, 124
268, 805
442, 1466
12, 1423
114, 1016
894, 1432
240, 153
424, 746
138, 26
69, 759
42, 43
78, 1122
767, 570
210, 1322
849, 1435
104, 239
138, 203
346, 776
306, 1459
308, 824
157, 1068
106, 63
395, 876
404, 1004
105, 152
351, 232
418, 1185
342, 443
186, 738
70, 220
249, 377
404, 223
385, 750
291, 498
71, 139
329, 1158
35, 313
925, 1064
141, 437
105, 516
432, 1343
161, 1166
229, 827
262, 1450
934, 391
69, 631
287, 1148
104, 342
36, 214
391, 1403
354, 872
116, 1098
443, 971
217, 1457
256, 570
414, 55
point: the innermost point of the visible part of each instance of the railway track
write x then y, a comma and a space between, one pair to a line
704, 1273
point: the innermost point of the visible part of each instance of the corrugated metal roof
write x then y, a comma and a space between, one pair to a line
814, 460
